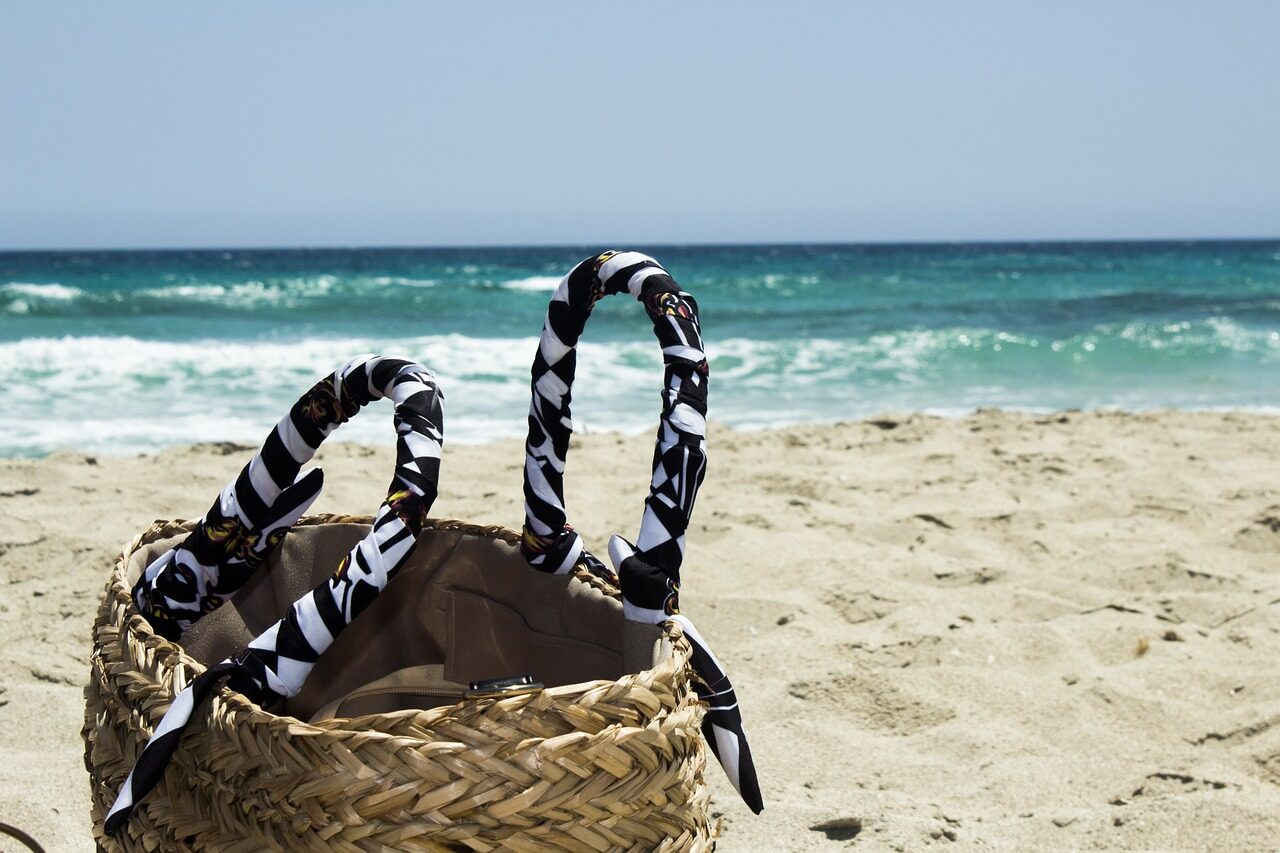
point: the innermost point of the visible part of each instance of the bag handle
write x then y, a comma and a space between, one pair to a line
254, 511
549, 543
648, 572
276, 663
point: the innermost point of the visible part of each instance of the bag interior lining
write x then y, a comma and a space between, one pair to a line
464, 607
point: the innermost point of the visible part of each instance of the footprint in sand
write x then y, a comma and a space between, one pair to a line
967, 577
1270, 766
858, 607
1262, 533
1238, 734
1168, 575
1166, 784
920, 652
871, 701
796, 487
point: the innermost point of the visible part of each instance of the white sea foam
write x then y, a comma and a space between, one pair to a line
278, 293
388, 280
245, 294
536, 283
78, 361
126, 394
196, 292
54, 291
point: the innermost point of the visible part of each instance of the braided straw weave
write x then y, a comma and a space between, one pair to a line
597, 766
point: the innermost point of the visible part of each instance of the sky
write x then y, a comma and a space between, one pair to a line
224, 124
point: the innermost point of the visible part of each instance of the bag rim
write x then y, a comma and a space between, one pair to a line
183, 668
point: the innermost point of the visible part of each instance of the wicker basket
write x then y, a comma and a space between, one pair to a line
595, 766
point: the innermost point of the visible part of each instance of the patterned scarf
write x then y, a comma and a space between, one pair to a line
276, 663
649, 570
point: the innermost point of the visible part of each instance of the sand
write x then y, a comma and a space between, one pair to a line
1007, 631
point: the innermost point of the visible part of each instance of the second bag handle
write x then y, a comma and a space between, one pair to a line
551, 544
648, 571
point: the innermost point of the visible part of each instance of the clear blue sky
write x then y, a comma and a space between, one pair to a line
309, 123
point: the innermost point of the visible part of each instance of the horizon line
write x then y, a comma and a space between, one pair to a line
1052, 241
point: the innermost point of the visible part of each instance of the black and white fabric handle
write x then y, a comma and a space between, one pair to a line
648, 571
549, 543
276, 663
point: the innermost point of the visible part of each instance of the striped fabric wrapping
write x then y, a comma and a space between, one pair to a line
649, 570
252, 513
722, 726
550, 544
276, 663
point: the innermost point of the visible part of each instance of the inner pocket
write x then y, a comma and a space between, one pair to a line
411, 687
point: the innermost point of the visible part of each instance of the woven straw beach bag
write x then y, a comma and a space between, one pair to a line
598, 765
508, 692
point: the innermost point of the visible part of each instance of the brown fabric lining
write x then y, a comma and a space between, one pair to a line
465, 603
411, 687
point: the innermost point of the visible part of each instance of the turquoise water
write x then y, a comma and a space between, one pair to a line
126, 351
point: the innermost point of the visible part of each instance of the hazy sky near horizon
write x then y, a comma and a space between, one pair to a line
406, 123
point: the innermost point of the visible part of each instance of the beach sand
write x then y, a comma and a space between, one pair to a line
1005, 631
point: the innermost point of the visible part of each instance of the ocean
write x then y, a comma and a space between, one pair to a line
129, 351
